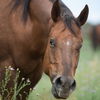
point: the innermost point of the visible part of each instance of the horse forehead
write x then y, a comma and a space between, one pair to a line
58, 26
68, 42
62, 31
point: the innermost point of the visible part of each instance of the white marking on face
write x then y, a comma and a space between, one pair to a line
67, 43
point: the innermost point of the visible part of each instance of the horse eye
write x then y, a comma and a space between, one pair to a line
52, 43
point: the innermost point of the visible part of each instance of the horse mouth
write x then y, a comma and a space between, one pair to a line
62, 87
59, 93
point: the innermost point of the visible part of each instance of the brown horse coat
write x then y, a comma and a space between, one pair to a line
23, 43
24, 33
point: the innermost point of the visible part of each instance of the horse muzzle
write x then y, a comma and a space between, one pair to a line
62, 87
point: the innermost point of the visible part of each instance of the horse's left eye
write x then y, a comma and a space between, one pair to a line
52, 43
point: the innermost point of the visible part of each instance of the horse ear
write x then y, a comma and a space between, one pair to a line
55, 12
83, 15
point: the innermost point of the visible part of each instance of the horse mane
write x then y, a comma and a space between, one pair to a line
25, 7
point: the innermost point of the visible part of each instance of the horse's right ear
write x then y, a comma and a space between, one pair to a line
55, 12
83, 15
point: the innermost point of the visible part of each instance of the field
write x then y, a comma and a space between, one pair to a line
87, 77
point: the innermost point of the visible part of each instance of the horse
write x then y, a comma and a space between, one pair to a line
39, 36
95, 36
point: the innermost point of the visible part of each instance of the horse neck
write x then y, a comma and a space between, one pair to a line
36, 26
40, 10
40, 14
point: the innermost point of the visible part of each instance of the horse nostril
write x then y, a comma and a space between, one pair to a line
65, 83
73, 85
58, 82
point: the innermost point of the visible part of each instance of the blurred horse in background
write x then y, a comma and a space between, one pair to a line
95, 36
37, 31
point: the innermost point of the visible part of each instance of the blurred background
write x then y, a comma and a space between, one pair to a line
94, 9
88, 71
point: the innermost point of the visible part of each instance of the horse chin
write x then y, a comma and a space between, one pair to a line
59, 93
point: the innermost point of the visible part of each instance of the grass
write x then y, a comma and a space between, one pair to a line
87, 77
12, 92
